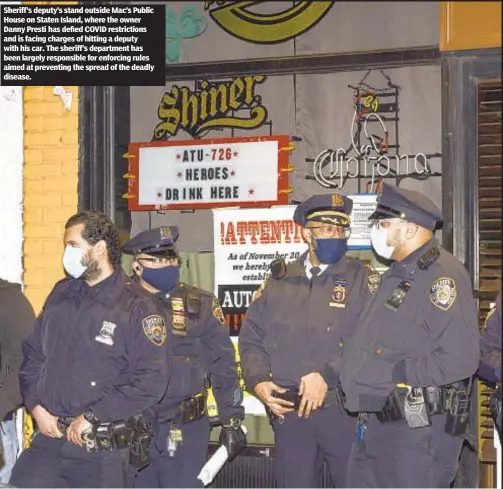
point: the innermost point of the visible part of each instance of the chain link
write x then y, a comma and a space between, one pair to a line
391, 85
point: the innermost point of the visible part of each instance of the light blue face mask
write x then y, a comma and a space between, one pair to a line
72, 261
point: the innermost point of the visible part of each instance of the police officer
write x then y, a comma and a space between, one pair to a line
292, 338
490, 361
94, 369
490, 345
202, 352
405, 368
16, 323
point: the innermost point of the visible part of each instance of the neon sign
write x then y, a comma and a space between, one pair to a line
373, 151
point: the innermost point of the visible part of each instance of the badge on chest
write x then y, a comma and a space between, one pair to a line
179, 321
106, 333
339, 294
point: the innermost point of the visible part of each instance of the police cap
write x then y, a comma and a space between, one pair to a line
327, 208
152, 241
411, 206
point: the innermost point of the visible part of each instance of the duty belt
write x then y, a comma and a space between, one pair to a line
115, 435
416, 405
437, 400
189, 410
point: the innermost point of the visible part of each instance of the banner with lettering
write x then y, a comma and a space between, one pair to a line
205, 174
246, 241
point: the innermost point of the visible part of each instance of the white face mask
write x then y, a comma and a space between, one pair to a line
378, 238
72, 261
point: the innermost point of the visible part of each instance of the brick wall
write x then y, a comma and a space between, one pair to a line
50, 186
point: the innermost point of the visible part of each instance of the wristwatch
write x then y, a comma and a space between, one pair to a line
91, 417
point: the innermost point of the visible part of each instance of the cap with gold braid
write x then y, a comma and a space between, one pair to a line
332, 209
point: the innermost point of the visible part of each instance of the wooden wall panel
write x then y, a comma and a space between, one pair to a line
470, 25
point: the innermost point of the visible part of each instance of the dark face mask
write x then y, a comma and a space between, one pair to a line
163, 279
330, 250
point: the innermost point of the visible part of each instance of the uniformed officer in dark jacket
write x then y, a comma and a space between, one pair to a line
202, 352
16, 323
490, 361
93, 370
490, 345
292, 338
406, 367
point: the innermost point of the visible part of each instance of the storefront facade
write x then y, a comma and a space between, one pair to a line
471, 71
301, 82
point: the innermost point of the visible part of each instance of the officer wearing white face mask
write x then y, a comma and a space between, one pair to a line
407, 369
93, 370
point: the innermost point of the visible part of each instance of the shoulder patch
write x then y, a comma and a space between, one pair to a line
217, 311
443, 293
373, 279
259, 291
154, 328
431, 256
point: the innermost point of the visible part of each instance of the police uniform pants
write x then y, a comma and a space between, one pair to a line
182, 469
394, 455
303, 445
51, 462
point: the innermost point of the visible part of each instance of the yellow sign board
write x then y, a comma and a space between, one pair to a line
240, 21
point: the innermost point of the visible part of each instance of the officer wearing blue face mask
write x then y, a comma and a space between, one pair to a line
292, 339
202, 353
407, 369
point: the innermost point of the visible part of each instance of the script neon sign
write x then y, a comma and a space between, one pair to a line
370, 158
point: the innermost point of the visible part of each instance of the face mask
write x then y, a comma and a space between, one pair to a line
330, 250
163, 279
72, 261
378, 238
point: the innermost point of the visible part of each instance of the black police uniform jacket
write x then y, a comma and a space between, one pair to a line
201, 349
429, 339
490, 345
16, 323
101, 349
296, 326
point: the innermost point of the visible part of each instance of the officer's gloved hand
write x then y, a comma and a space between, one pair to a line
233, 438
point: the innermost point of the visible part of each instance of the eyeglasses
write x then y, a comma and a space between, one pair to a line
158, 261
330, 231
385, 223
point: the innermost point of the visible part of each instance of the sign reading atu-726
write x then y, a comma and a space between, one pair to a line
209, 173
